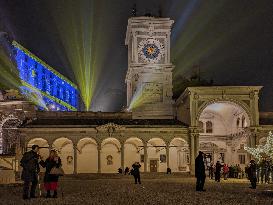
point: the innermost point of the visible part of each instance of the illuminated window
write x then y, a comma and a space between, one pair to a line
209, 127
40, 76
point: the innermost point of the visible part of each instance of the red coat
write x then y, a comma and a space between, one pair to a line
225, 169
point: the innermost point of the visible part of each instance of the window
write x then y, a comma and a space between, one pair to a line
243, 121
43, 83
58, 91
163, 158
209, 127
242, 158
242, 146
201, 126
238, 122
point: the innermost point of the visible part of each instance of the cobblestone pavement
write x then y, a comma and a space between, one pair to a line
158, 189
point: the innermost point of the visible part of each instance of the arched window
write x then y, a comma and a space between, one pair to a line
209, 127
238, 122
243, 121
201, 126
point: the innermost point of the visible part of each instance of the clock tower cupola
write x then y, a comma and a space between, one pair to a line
149, 75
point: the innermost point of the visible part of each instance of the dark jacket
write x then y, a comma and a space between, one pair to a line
218, 167
136, 169
30, 165
49, 164
199, 167
251, 171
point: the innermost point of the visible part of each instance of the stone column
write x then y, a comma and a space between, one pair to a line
122, 156
192, 154
168, 155
196, 140
99, 158
75, 159
145, 157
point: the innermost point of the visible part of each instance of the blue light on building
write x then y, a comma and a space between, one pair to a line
56, 91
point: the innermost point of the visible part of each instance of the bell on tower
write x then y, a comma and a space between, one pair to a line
134, 10
149, 75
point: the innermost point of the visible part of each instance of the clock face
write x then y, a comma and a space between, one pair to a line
150, 50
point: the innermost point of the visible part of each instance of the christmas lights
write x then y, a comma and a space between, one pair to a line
262, 151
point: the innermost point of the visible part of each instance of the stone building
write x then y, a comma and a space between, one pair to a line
155, 130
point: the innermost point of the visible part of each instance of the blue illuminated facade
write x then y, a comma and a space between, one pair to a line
56, 92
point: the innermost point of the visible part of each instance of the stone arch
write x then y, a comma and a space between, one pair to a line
65, 149
226, 134
156, 149
133, 150
179, 155
84, 142
87, 159
36, 140
235, 102
55, 138
110, 155
9, 134
42, 143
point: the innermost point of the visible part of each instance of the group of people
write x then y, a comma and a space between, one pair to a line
265, 171
200, 172
31, 162
226, 171
134, 172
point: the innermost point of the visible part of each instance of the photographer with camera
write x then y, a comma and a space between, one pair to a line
31, 168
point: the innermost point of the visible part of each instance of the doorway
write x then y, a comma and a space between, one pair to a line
153, 165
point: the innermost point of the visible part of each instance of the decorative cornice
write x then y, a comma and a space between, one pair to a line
111, 128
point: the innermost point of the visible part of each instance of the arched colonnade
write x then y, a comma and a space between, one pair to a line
89, 155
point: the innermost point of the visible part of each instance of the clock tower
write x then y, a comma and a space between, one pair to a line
149, 75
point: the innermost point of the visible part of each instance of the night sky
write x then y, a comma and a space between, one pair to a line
230, 40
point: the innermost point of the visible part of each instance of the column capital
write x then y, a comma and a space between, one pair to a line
193, 130
99, 147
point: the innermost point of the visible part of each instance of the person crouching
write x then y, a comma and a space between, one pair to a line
51, 180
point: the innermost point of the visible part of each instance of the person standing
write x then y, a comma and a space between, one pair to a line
218, 171
236, 171
200, 172
211, 170
252, 174
263, 171
239, 171
267, 171
30, 171
225, 171
258, 168
126, 171
136, 172
51, 180
120, 170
